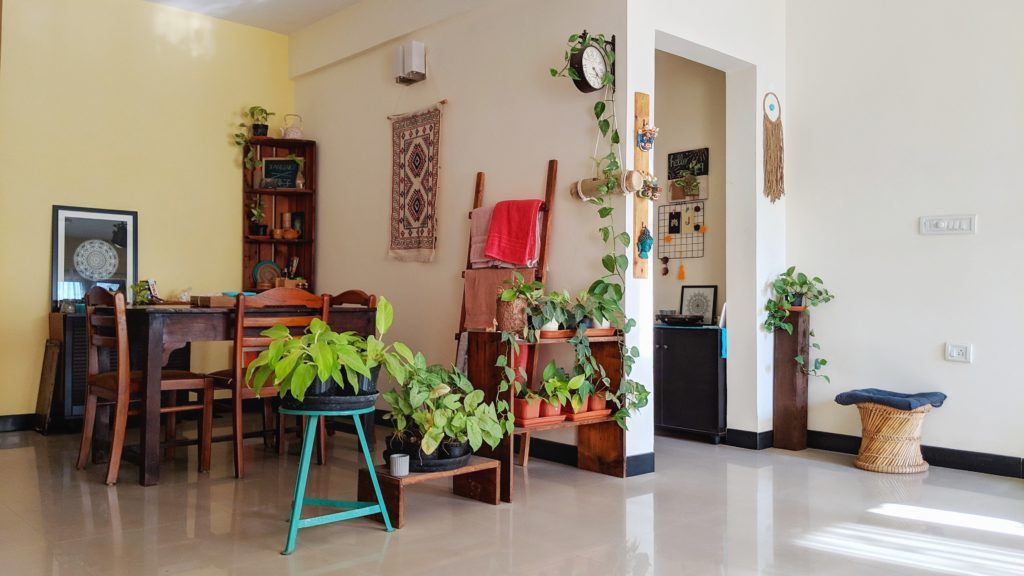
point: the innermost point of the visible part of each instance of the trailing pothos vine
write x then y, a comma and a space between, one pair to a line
608, 165
608, 291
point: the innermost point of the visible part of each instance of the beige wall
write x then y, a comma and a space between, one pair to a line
899, 110
691, 115
505, 116
128, 105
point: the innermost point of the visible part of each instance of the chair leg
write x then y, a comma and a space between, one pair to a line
281, 444
268, 421
236, 430
524, 449
117, 443
87, 427
206, 427
321, 441
170, 427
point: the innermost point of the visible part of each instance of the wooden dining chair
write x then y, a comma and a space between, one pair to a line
109, 377
359, 298
253, 315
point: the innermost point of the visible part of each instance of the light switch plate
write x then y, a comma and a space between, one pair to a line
959, 352
953, 224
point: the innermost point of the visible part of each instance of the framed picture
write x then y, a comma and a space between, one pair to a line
688, 175
699, 301
280, 172
92, 247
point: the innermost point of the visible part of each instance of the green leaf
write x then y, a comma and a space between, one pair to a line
623, 239
608, 261
385, 315
301, 379
554, 72
604, 125
403, 351
573, 73
277, 332
621, 262
605, 211
473, 399
799, 359
615, 137
431, 440
574, 38
473, 433
599, 107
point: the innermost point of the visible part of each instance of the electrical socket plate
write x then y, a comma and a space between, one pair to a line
959, 352
954, 224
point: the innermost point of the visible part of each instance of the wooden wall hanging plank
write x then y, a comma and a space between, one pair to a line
641, 162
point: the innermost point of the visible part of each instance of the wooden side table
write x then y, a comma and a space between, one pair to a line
479, 480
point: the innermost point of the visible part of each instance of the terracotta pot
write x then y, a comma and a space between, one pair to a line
526, 410
597, 402
549, 409
797, 308
568, 409
511, 316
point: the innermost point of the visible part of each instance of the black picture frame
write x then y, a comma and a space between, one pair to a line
86, 244
688, 304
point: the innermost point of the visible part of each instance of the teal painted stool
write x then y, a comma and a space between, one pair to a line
353, 509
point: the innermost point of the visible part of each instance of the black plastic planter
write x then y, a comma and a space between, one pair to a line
439, 461
454, 449
328, 396
260, 129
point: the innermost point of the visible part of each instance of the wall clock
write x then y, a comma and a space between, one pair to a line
590, 63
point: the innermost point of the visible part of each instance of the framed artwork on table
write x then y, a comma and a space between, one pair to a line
699, 301
92, 247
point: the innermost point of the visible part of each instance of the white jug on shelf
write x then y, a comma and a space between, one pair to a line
293, 129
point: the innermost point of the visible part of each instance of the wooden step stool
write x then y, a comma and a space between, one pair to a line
479, 480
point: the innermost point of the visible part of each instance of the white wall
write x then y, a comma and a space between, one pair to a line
505, 116
691, 115
746, 39
898, 110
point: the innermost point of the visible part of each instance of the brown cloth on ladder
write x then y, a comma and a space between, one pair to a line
481, 293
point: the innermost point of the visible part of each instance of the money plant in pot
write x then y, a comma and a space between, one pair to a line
326, 370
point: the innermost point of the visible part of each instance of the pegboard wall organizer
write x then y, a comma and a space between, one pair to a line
680, 228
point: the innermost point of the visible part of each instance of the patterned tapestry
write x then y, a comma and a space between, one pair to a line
415, 146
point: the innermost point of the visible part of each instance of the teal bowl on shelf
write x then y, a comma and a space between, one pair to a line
233, 294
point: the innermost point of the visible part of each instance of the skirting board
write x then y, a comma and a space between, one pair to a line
748, 440
551, 451
17, 422
996, 464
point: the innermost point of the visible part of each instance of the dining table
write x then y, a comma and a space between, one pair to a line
159, 330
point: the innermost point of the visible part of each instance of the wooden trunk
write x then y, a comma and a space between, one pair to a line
790, 397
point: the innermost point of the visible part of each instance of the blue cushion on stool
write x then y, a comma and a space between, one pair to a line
891, 399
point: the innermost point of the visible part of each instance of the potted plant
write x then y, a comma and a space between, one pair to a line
796, 291
327, 370
560, 390
527, 404
598, 310
257, 229
687, 182
439, 416
258, 116
513, 302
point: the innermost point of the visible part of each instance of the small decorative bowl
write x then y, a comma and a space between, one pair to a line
290, 234
278, 233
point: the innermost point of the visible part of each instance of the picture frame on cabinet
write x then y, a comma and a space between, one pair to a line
699, 300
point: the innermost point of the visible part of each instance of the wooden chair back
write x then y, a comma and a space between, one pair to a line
304, 308
356, 298
107, 336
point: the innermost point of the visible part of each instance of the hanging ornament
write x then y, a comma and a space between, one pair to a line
681, 274
650, 190
645, 242
774, 168
645, 137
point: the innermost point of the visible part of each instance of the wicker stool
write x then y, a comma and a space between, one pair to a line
891, 439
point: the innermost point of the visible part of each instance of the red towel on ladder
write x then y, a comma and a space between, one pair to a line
512, 236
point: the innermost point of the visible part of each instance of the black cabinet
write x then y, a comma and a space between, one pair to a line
689, 380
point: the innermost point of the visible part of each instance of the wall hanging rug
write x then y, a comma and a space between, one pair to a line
774, 167
415, 160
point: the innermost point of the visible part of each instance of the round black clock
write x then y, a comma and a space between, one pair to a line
590, 65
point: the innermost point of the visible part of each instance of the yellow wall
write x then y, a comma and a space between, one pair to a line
128, 105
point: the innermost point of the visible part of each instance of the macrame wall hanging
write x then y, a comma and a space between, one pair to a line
774, 167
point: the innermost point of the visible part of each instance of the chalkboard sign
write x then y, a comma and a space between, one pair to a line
680, 161
280, 172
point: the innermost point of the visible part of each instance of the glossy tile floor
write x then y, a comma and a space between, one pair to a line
708, 510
